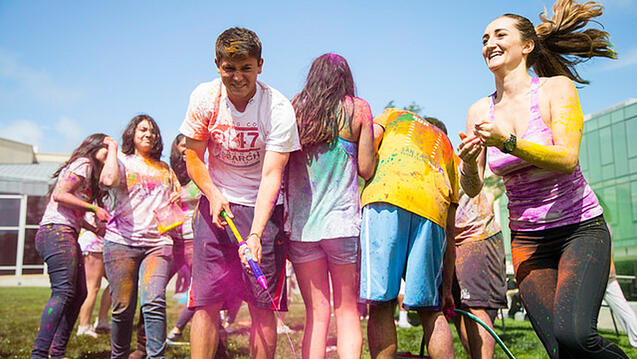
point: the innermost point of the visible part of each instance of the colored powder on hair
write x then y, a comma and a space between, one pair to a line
234, 46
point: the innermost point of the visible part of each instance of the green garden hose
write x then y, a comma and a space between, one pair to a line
495, 336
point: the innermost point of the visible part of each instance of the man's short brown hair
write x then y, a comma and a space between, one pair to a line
238, 42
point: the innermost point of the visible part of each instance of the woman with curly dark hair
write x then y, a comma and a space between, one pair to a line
530, 130
135, 251
76, 190
182, 236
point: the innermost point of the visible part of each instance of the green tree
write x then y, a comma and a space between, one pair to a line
412, 107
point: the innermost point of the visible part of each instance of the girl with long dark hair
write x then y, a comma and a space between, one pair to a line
323, 202
136, 255
76, 190
530, 130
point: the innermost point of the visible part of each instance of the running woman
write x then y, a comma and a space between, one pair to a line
530, 129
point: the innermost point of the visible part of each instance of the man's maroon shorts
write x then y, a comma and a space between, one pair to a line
217, 272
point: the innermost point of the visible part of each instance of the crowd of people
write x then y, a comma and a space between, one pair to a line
287, 174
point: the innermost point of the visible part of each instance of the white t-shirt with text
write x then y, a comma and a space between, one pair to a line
144, 187
237, 141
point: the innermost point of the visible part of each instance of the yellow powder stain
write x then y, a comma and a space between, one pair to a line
568, 127
157, 166
233, 47
570, 120
149, 271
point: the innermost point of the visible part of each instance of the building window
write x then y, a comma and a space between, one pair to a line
9, 212
31, 259
607, 140
9, 245
633, 194
19, 222
631, 133
31, 255
35, 209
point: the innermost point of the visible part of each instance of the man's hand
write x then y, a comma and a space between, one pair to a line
447, 299
254, 246
219, 203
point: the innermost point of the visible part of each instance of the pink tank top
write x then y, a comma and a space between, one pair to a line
540, 198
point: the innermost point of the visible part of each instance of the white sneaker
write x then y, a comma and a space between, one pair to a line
404, 324
86, 330
284, 329
175, 335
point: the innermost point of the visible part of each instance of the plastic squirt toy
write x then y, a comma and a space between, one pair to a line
243, 246
256, 270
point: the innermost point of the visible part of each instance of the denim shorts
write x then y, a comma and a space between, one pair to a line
337, 250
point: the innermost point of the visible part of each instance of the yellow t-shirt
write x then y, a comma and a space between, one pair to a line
416, 169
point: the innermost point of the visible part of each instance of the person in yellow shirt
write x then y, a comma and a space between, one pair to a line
408, 231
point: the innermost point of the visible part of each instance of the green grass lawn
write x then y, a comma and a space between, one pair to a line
21, 307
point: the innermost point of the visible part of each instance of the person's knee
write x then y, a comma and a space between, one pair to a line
153, 301
207, 314
576, 339
318, 311
93, 291
428, 318
262, 316
382, 309
381, 314
65, 291
123, 303
154, 308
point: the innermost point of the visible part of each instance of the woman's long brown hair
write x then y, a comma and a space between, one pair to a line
88, 149
560, 42
321, 107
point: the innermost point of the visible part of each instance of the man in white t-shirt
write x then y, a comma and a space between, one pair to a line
248, 129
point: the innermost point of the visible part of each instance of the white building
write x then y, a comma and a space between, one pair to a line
25, 178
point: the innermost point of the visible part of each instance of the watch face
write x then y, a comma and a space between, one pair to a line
509, 145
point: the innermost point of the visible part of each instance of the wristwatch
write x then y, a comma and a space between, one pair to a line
509, 145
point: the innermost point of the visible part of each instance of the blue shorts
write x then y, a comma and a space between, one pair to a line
397, 243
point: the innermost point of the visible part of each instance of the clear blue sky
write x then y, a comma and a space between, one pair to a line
68, 69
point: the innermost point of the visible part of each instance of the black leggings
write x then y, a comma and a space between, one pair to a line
562, 274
